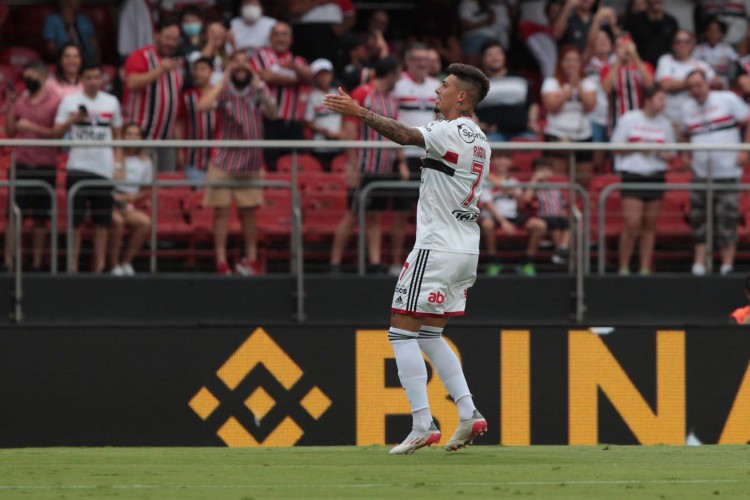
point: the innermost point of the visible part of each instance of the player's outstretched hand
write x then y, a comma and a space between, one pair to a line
341, 103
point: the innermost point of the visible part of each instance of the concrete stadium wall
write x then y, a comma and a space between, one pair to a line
350, 300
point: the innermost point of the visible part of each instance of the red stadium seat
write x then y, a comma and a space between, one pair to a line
313, 181
322, 213
305, 163
338, 164
28, 25
274, 218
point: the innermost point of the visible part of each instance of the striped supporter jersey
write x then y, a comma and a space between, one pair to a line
288, 97
238, 117
627, 91
374, 161
155, 106
199, 125
716, 121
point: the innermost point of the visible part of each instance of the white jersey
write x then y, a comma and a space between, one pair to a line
455, 167
416, 104
137, 169
716, 121
722, 58
669, 68
570, 122
103, 113
317, 113
634, 127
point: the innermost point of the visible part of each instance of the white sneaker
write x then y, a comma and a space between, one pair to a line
699, 270
127, 268
416, 440
726, 269
466, 431
394, 270
118, 271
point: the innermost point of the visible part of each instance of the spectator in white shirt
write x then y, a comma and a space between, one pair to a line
672, 69
715, 117
251, 30
128, 210
569, 98
641, 207
717, 53
324, 123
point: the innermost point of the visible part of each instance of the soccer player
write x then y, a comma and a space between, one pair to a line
442, 266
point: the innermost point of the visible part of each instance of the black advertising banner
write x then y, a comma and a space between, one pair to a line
284, 386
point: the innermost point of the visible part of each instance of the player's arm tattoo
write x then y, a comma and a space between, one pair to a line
393, 130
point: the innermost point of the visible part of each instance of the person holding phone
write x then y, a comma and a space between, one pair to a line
153, 81
92, 115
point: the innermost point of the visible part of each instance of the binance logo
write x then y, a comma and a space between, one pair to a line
258, 349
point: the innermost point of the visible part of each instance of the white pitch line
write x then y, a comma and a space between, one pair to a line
360, 485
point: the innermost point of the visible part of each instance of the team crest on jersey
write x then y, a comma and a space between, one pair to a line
468, 135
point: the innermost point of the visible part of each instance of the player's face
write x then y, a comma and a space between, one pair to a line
447, 95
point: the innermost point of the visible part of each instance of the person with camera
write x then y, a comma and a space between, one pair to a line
241, 100
153, 81
32, 116
91, 115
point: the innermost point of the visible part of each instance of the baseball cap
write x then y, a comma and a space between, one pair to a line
319, 65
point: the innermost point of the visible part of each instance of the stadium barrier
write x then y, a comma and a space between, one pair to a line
571, 148
278, 386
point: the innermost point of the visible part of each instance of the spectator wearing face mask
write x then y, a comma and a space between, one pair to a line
32, 116
251, 30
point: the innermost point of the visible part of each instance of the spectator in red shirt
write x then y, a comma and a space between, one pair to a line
365, 166
32, 116
153, 80
239, 99
196, 125
285, 74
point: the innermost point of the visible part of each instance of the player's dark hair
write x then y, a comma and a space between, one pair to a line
472, 76
490, 44
387, 66
541, 162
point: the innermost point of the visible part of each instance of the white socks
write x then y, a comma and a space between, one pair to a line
448, 369
412, 372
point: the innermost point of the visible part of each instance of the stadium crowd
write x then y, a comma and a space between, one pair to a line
637, 71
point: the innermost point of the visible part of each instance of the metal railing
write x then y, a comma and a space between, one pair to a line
624, 186
582, 260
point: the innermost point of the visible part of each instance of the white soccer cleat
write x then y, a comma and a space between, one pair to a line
466, 431
416, 440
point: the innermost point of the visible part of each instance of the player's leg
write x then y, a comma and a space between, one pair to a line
633, 215
446, 363
406, 322
648, 234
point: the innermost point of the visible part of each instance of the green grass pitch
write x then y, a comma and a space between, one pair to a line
348, 472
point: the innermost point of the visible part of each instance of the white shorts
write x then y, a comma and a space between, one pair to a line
434, 284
